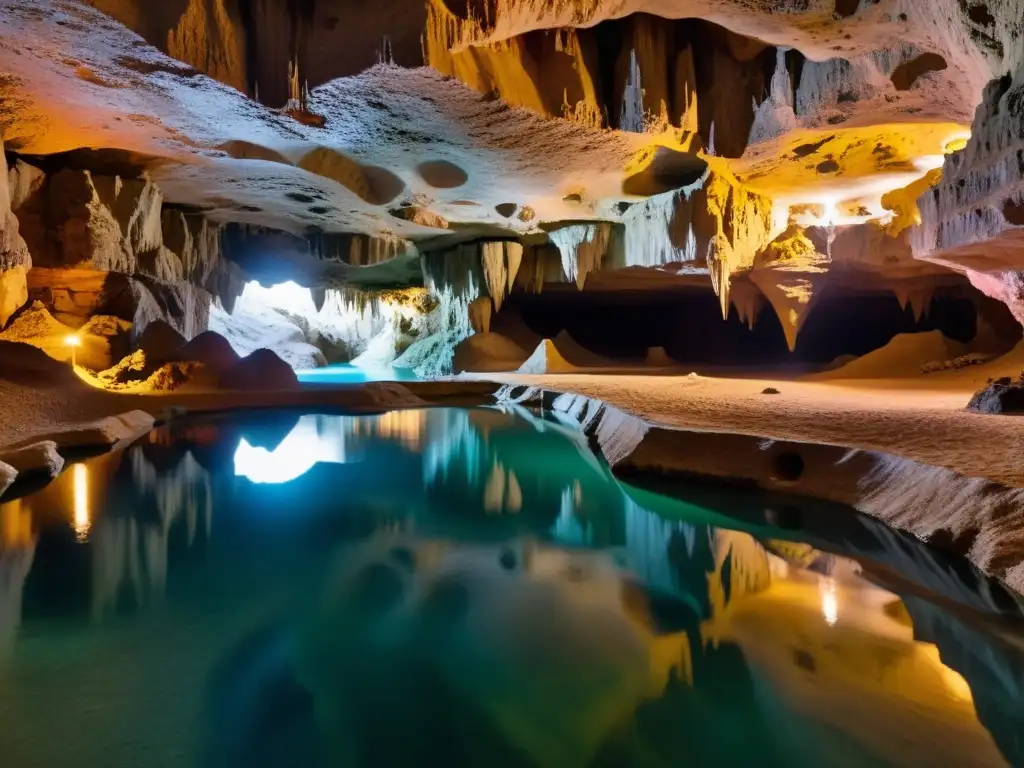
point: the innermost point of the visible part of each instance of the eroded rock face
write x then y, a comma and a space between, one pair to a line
108, 245
731, 124
14, 256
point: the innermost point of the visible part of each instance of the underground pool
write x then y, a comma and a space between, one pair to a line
472, 587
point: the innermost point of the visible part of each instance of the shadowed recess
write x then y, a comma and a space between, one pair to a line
442, 174
374, 185
668, 170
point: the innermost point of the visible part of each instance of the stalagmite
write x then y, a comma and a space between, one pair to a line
775, 116
480, 311
632, 117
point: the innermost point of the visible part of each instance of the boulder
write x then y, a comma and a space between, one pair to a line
261, 371
1002, 396
211, 350
160, 341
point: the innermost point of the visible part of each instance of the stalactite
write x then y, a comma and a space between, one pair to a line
513, 258
495, 272
319, 298
719, 269
582, 247
748, 300
650, 230
917, 298
791, 294
455, 271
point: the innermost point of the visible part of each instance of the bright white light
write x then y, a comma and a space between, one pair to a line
829, 600
314, 440
72, 341
289, 296
831, 212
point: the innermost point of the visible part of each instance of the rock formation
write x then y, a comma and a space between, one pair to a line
503, 148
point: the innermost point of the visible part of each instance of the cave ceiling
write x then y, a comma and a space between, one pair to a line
430, 122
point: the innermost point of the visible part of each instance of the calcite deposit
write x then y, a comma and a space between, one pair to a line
775, 154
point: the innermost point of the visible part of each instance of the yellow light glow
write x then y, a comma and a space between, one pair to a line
829, 600
72, 341
82, 522
956, 143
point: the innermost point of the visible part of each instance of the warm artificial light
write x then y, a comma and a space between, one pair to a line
829, 600
82, 521
73, 343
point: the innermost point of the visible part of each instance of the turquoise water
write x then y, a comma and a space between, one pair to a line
454, 587
346, 373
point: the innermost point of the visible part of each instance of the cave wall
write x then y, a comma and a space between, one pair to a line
250, 44
15, 260
109, 245
692, 74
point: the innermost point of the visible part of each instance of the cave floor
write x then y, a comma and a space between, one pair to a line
32, 413
920, 418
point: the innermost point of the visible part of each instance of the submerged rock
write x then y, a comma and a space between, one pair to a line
1001, 396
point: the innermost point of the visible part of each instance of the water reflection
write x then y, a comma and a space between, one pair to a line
473, 587
83, 521
314, 440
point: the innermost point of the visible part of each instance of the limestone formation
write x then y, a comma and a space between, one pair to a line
543, 144
14, 256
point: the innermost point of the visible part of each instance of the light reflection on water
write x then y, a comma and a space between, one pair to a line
276, 591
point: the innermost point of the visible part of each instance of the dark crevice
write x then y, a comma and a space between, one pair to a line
907, 73
846, 8
1013, 212
624, 325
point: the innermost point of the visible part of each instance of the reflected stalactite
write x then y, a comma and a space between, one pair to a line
129, 551
17, 551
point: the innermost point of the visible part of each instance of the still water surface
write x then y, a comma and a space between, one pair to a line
453, 587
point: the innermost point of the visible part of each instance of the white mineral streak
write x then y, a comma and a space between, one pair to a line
648, 225
632, 117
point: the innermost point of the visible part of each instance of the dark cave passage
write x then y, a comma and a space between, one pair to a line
623, 325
